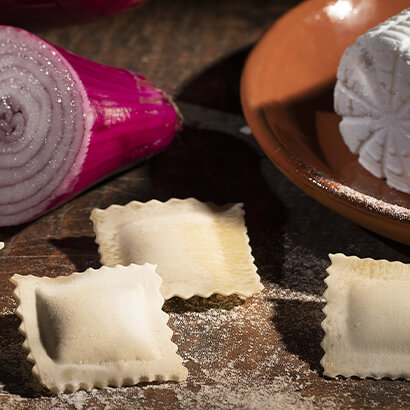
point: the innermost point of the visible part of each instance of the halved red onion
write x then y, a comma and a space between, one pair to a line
66, 122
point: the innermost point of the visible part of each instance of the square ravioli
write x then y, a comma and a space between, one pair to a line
367, 332
199, 248
97, 328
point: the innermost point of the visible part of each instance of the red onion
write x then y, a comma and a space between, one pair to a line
66, 122
29, 11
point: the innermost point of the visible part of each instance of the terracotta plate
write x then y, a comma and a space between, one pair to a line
287, 96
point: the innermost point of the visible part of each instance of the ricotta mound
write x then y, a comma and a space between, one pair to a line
372, 95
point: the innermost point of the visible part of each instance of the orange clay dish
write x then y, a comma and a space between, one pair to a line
287, 96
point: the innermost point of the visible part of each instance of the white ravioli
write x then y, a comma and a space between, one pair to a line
64, 327
373, 96
97, 328
199, 248
367, 331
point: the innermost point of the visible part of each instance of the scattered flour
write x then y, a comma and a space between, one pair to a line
235, 356
259, 353
245, 130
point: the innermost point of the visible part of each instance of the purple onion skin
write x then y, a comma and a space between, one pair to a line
74, 11
132, 120
96, 8
126, 119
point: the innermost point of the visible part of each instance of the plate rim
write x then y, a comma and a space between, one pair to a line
305, 176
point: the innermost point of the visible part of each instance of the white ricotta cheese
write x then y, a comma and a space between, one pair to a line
373, 96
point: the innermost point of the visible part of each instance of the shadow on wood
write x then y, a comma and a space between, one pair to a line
299, 323
218, 86
198, 304
15, 370
82, 251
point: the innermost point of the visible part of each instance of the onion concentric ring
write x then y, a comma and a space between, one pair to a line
42, 125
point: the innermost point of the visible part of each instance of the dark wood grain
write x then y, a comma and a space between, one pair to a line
269, 357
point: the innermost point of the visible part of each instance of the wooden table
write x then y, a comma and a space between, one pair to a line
263, 353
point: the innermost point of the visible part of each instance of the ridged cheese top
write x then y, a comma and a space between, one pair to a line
373, 95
